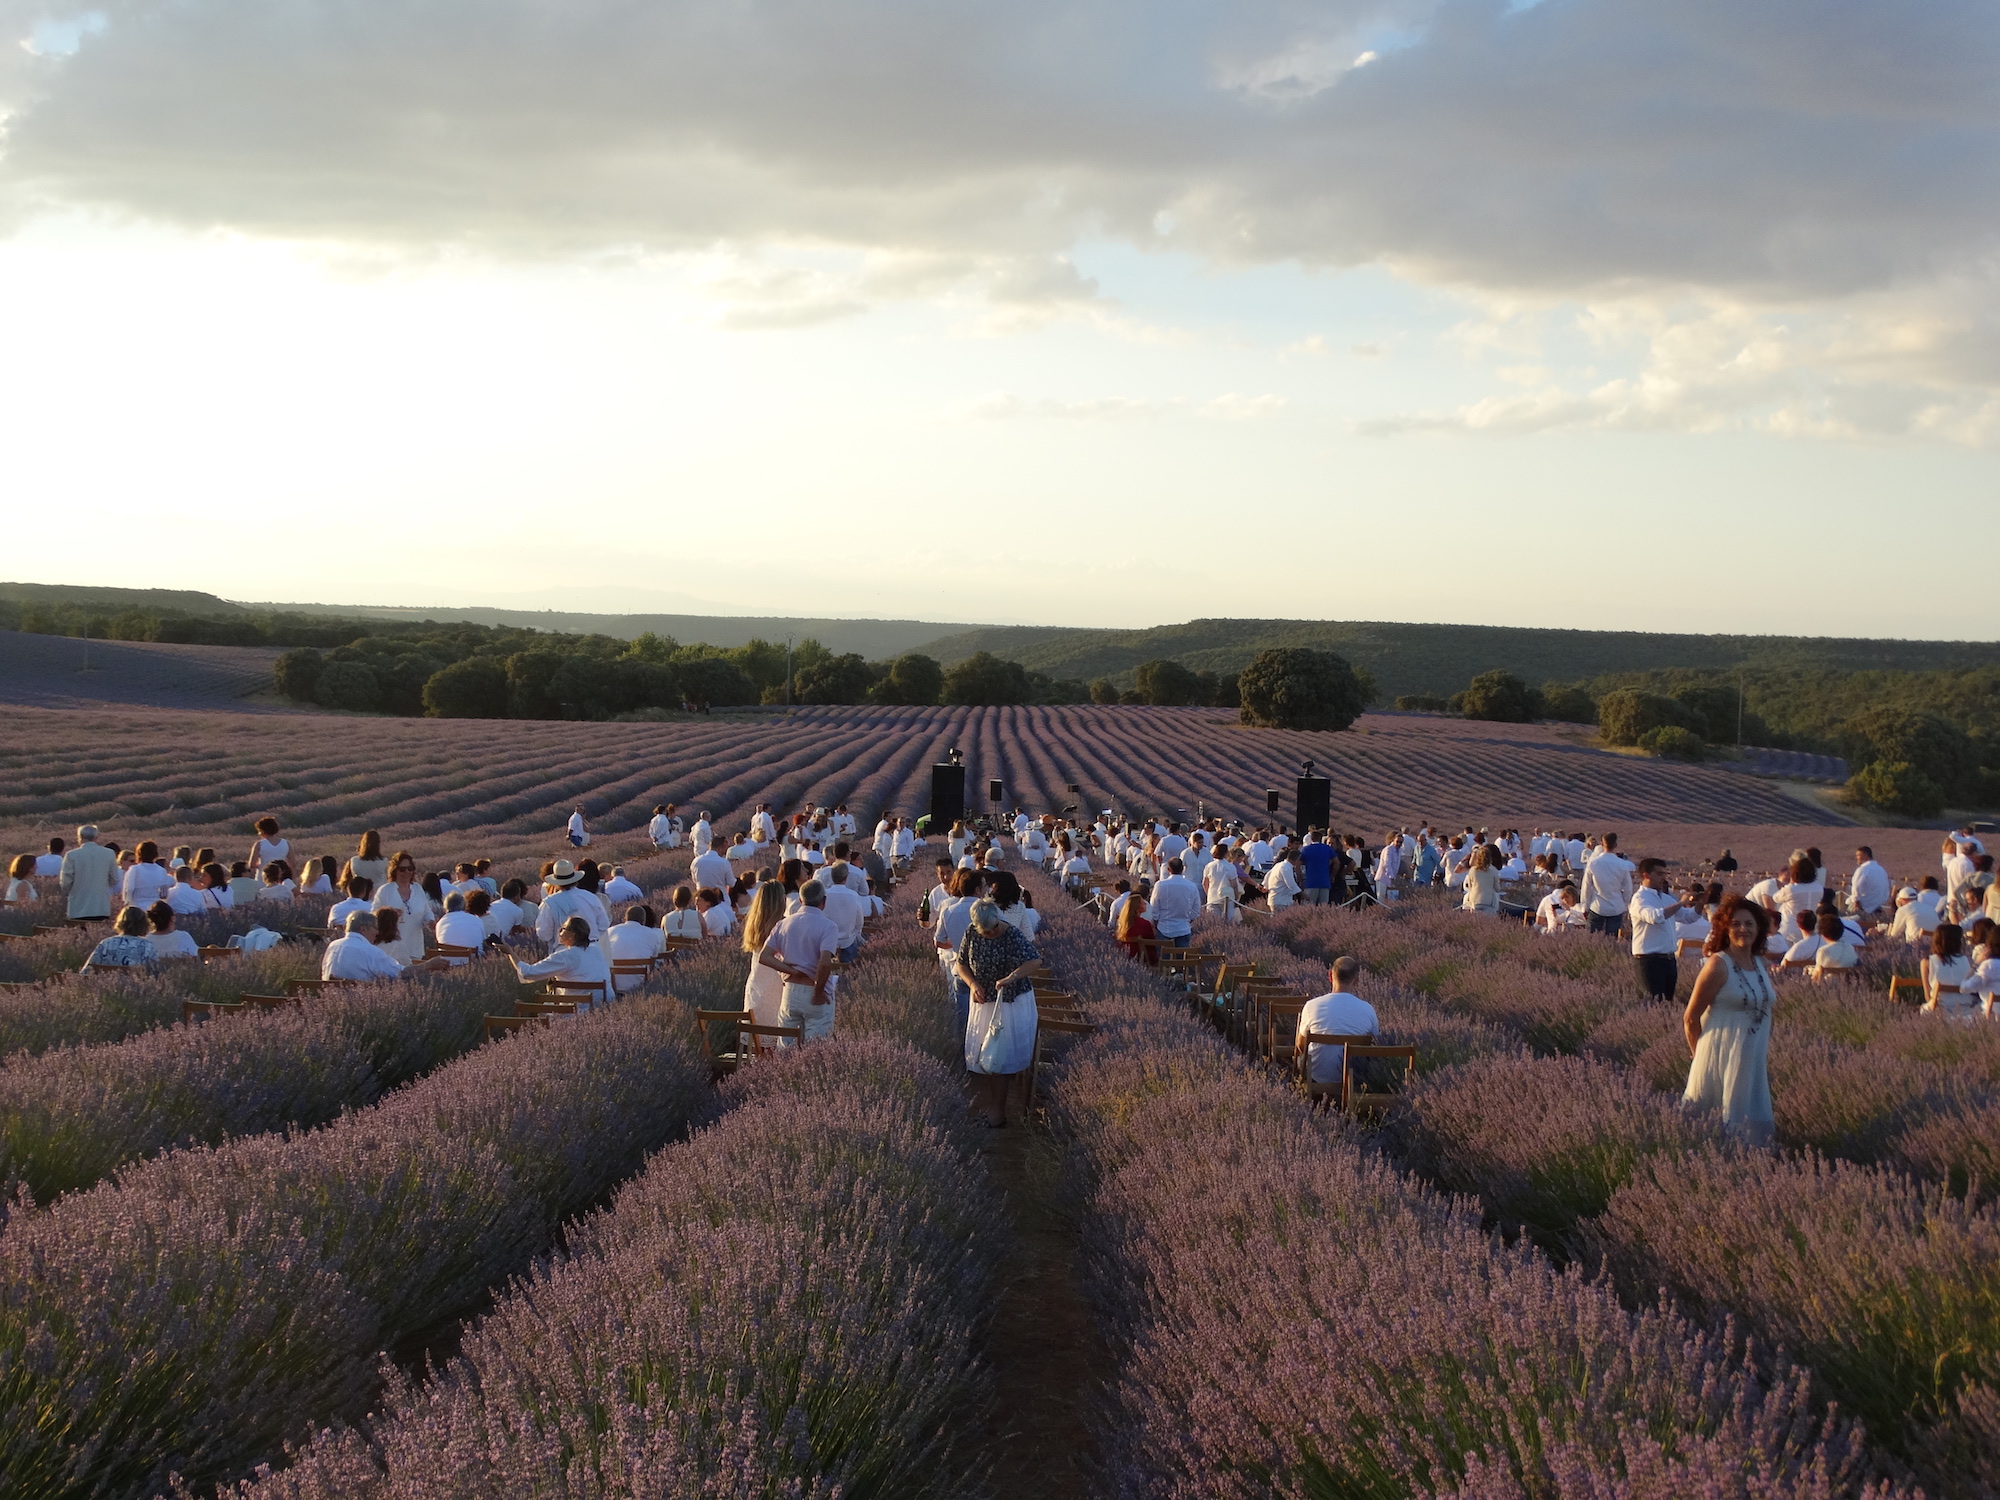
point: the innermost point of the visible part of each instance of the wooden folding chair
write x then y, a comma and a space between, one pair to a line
507, 1025
1302, 1079
1903, 982
192, 1008
455, 952
213, 954
640, 969
1050, 1026
1683, 945
1281, 1024
1374, 1101
578, 991
723, 1061
1256, 990
43, 929
266, 1002
17, 937
679, 944
765, 1040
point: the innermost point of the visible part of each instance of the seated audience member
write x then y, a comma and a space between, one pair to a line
275, 886
513, 913
619, 889
1560, 910
1135, 928
1836, 950
459, 927
1809, 943
1914, 921
318, 877
358, 956
242, 888
167, 942
1339, 1012
683, 921
637, 937
360, 891
718, 917
743, 848
20, 880
127, 947
48, 866
575, 959
464, 880
1946, 972
148, 879
184, 896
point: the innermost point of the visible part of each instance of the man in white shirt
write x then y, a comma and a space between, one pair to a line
1176, 903
1282, 885
1607, 888
1020, 822
566, 902
803, 948
1388, 865
1560, 910
744, 848
182, 896
1173, 846
148, 880
1339, 1012
1958, 869
1868, 889
763, 827
701, 838
619, 890
711, 869
1576, 852
1806, 949
459, 928
355, 957
660, 828
579, 836
1914, 922
1122, 893
49, 865
631, 939
1655, 933
359, 890
1260, 854
939, 894
847, 908
505, 913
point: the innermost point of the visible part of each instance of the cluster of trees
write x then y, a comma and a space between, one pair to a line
181, 628
1296, 687
1164, 683
1505, 698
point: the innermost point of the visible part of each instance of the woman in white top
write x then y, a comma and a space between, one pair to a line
575, 958
1728, 1024
1457, 860
402, 895
683, 921
764, 990
318, 880
958, 842
1223, 882
268, 846
1945, 970
171, 944
1482, 881
20, 886
1800, 893
369, 861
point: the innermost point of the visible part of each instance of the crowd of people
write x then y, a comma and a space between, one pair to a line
796, 894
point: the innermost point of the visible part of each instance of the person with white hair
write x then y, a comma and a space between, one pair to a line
88, 871
619, 889
358, 958
996, 962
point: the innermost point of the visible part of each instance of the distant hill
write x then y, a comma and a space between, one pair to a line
1442, 658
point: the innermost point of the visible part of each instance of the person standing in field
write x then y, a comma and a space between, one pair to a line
87, 873
579, 836
1728, 1022
802, 949
1655, 933
269, 847
1607, 888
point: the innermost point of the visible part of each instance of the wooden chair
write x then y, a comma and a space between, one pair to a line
266, 1002
765, 1040
1281, 1024
306, 935
507, 1025
1050, 1026
640, 969
723, 1062
456, 953
1323, 1093
1902, 982
1374, 1101
1682, 945
212, 954
192, 1008
17, 937
678, 944
1257, 991
1793, 965
43, 929
1219, 1001
579, 991
535, 1005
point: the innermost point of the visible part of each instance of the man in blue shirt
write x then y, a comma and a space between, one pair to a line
1318, 858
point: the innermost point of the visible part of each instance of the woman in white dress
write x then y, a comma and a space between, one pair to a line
1728, 1023
1800, 893
402, 894
995, 961
958, 842
1945, 969
269, 845
765, 988
20, 880
1482, 881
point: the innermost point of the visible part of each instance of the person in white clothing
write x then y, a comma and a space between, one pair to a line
637, 937
1339, 1012
404, 896
620, 891
357, 957
665, 827
579, 836
1388, 865
163, 937
1560, 911
577, 959
701, 838
802, 948
1655, 933
712, 869
459, 928
1607, 888
49, 865
1914, 921
148, 879
184, 896
847, 910
1946, 970
682, 920
718, 916
565, 901
1176, 903
360, 891
1868, 888
1282, 886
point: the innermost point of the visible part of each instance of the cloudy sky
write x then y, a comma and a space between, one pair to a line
1678, 314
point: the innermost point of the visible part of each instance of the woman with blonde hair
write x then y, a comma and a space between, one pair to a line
764, 990
1482, 881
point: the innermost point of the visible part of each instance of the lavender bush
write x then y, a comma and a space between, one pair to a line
207, 1305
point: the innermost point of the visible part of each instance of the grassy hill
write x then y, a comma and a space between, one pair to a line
1443, 658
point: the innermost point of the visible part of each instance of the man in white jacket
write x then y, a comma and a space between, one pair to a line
1655, 933
1607, 888
1176, 903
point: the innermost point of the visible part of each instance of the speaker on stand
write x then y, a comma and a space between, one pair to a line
947, 795
1315, 802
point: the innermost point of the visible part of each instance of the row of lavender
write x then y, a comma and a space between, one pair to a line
1548, 1095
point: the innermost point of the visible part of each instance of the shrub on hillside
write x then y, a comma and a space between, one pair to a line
1297, 688
1501, 698
1897, 786
1671, 742
984, 678
349, 685
1568, 704
1931, 746
1167, 684
1626, 714
1429, 703
475, 688
297, 674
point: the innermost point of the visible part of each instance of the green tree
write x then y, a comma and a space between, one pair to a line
1165, 683
1432, 704
528, 676
1500, 698
297, 674
984, 678
913, 679
1671, 742
1624, 715
837, 679
1897, 786
1295, 687
658, 649
349, 685
1568, 704
716, 682
762, 661
1931, 746
1103, 690
1226, 693
475, 688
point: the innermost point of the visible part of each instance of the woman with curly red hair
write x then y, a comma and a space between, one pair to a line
1728, 1021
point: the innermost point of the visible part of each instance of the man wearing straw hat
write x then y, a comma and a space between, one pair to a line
565, 901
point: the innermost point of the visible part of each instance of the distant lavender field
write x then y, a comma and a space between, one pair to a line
46, 671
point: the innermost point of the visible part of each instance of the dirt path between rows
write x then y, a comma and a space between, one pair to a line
1047, 1355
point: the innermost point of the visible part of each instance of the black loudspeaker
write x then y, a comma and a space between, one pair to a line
947, 796
1271, 800
1315, 802
996, 790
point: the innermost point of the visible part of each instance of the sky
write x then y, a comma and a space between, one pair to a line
1589, 313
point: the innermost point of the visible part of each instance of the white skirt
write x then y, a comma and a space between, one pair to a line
1013, 1049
